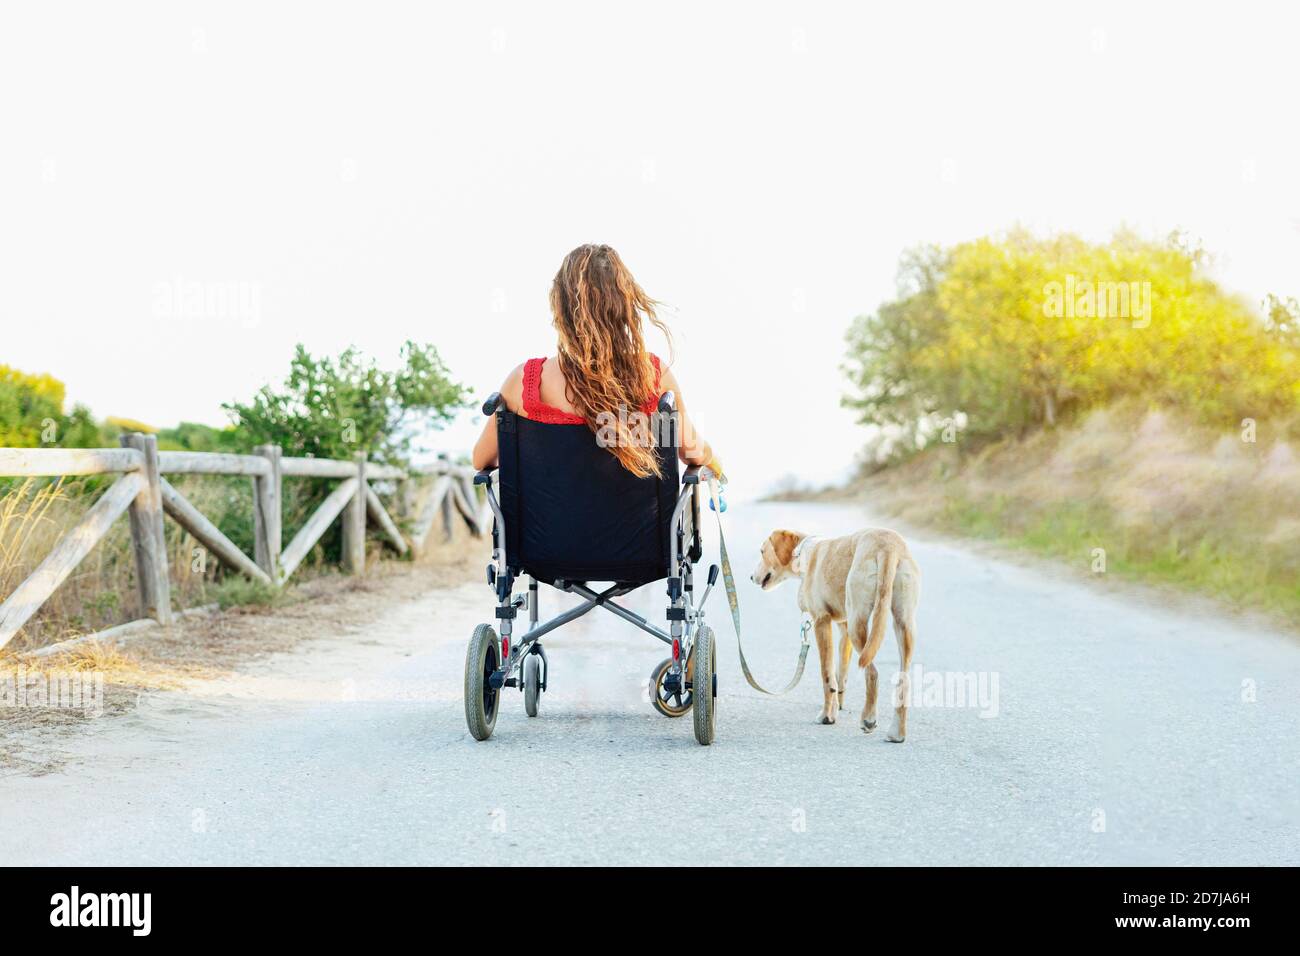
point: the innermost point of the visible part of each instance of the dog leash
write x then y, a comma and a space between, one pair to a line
730, 583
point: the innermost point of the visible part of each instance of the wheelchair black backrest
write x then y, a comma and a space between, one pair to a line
573, 513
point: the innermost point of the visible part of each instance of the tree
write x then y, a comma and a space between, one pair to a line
31, 414
884, 349
1016, 332
31, 408
335, 408
1282, 319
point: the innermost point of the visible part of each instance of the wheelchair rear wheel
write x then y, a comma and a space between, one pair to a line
532, 684
704, 685
669, 703
482, 700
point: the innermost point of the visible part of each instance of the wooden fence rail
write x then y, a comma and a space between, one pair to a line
143, 492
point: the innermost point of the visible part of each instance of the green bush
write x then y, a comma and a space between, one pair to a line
331, 408
190, 436
238, 591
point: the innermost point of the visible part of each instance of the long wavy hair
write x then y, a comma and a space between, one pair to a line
599, 312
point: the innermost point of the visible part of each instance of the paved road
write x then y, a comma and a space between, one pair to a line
1121, 732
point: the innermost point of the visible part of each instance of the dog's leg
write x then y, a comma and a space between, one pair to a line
846, 654
867, 651
826, 652
905, 634
869, 709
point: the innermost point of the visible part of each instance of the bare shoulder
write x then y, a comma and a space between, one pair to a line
667, 380
512, 389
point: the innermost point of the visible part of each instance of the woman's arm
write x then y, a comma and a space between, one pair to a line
694, 450
486, 449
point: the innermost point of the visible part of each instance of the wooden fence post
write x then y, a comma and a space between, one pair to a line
147, 540
405, 499
448, 514
267, 512
354, 524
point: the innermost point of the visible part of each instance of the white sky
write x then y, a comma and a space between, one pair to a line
379, 172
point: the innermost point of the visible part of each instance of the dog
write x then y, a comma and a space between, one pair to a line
853, 581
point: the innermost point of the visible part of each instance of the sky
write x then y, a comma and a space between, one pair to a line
363, 174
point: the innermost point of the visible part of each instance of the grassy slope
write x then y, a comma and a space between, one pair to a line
1167, 502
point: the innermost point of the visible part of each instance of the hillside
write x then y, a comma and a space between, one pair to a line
1143, 494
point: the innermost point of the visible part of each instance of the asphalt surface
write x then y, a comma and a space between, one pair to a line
1120, 730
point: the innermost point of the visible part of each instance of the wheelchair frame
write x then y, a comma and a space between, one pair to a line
487, 673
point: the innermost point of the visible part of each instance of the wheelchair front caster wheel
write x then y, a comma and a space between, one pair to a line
532, 684
705, 685
669, 702
482, 700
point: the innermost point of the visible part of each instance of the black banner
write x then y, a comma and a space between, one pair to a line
928, 905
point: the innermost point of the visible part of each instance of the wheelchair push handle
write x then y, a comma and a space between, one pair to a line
492, 403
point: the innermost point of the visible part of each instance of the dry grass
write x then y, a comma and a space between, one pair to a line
24, 513
111, 681
101, 591
1168, 502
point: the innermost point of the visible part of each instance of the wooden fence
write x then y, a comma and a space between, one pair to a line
146, 496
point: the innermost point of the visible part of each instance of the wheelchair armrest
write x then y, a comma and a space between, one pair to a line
695, 474
484, 477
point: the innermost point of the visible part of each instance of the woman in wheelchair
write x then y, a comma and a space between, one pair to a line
601, 503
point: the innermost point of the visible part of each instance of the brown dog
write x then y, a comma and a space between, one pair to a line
853, 581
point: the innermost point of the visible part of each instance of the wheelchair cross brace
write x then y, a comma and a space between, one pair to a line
529, 643
593, 599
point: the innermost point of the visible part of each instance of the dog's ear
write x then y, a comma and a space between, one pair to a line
784, 543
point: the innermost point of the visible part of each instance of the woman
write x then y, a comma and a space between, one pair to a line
601, 374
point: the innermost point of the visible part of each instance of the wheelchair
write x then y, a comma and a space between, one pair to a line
568, 514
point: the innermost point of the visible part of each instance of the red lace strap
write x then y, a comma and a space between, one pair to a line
534, 407
532, 386
539, 411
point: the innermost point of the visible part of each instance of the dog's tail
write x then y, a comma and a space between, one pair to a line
887, 565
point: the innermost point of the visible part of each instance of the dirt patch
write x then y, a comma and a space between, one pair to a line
43, 699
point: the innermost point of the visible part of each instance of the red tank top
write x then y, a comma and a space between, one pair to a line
539, 411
